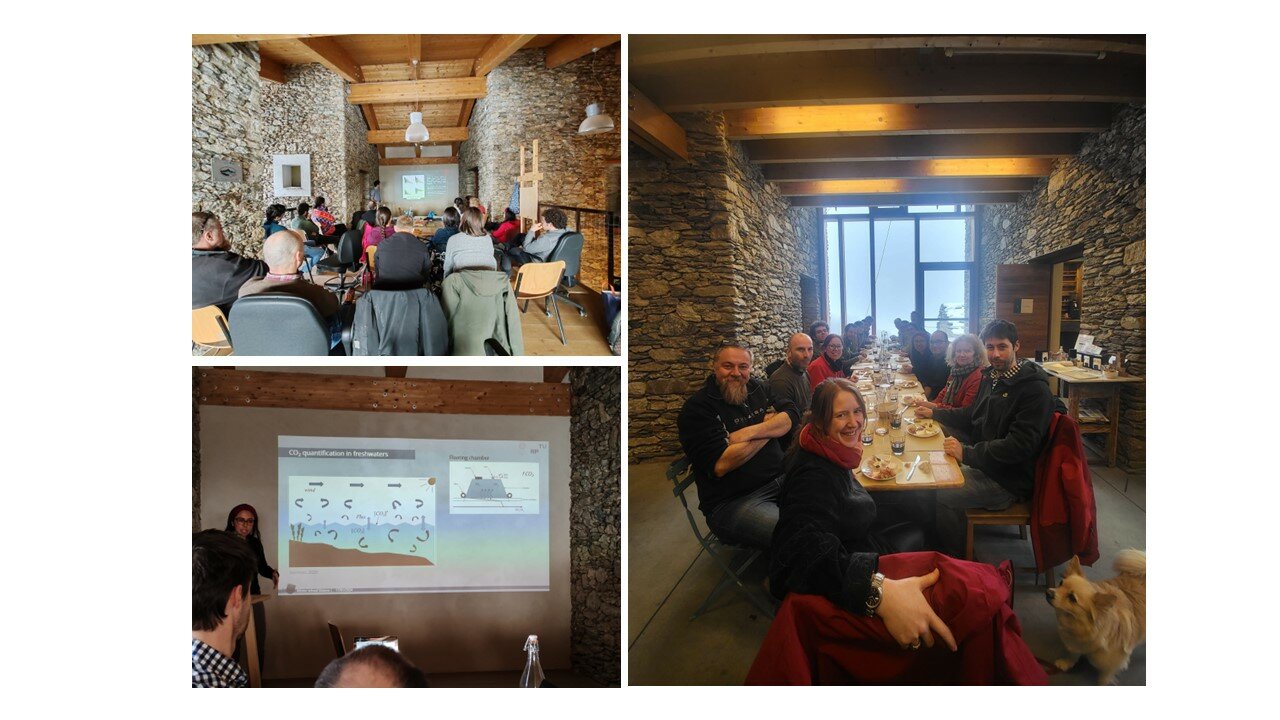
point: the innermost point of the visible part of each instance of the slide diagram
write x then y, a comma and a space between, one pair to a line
361, 522
493, 488
413, 187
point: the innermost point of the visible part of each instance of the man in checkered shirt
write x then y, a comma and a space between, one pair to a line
222, 568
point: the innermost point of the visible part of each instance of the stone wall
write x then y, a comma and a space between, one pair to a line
526, 101
360, 157
595, 530
1096, 199
309, 115
224, 123
728, 252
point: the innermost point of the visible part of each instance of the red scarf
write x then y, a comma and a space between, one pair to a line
819, 444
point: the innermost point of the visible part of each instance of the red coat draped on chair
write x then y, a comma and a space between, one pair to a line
1064, 516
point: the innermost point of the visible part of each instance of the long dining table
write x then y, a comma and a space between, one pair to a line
928, 449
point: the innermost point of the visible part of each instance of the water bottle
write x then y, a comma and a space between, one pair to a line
532, 675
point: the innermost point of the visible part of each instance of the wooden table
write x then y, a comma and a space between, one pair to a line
1076, 384
915, 446
251, 643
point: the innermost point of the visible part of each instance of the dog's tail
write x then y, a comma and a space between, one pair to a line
1131, 562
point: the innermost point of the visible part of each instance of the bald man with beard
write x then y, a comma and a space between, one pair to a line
731, 437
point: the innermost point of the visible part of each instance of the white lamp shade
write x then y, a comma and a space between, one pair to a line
417, 132
596, 122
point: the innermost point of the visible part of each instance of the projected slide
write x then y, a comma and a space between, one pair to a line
368, 515
413, 187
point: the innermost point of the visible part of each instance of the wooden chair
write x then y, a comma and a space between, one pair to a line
335, 634
540, 280
209, 332
369, 253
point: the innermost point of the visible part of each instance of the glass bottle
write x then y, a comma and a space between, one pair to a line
532, 675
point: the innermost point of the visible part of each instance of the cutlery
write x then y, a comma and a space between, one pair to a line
912, 471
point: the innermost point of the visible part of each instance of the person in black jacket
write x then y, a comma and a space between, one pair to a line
243, 521
216, 272
934, 371
731, 438
829, 539
1007, 425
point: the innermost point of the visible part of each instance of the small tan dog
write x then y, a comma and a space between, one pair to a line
1103, 621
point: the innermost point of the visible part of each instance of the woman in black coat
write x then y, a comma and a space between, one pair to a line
828, 541
243, 522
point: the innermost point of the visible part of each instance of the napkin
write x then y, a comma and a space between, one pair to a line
942, 470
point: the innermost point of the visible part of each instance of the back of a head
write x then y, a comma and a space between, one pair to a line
200, 221
371, 205
404, 223
303, 209
373, 666
472, 222
384, 216
219, 562
281, 251
451, 216
509, 215
556, 217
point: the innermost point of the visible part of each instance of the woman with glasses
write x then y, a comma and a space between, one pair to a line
243, 522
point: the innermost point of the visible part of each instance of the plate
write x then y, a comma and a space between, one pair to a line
923, 429
893, 466
908, 384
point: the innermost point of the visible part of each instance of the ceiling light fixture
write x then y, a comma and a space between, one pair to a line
596, 121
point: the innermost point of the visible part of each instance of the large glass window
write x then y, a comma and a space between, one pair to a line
888, 262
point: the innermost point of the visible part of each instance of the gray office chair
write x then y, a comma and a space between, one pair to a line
277, 324
569, 249
716, 548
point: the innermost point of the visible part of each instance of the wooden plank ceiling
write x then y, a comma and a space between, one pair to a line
386, 82
889, 120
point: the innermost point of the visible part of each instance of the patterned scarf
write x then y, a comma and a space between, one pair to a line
997, 376
952, 390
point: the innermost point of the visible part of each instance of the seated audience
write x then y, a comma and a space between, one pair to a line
817, 332
372, 666
272, 224
471, 248
473, 201
829, 363
1007, 424
460, 204
450, 219
377, 231
509, 230
828, 537
216, 272
323, 219
283, 253
404, 261
302, 222
542, 237
222, 568
790, 381
965, 361
933, 376
731, 439
367, 215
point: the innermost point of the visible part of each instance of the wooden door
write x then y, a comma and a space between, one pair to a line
1022, 298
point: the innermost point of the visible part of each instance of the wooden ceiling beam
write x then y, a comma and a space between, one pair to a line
464, 118
270, 69
939, 119
241, 388
221, 39
913, 147
905, 199
835, 78
645, 52
917, 185
439, 136
498, 50
908, 169
571, 47
420, 161
653, 129
330, 54
413, 48
371, 119
431, 90
554, 374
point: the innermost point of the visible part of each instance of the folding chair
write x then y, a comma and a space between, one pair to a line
715, 547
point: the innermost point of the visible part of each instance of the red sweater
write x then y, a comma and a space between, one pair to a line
968, 391
506, 232
820, 370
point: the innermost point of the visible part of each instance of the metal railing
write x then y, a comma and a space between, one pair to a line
611, 223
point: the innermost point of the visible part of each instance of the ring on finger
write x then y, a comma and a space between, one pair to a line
916, 645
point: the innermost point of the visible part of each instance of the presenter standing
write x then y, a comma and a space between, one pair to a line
243, 521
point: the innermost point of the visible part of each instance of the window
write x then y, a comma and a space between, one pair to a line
887, 262
291, 175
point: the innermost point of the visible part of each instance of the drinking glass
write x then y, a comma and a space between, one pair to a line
897, 441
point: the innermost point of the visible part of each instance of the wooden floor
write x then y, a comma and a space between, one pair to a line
542, 337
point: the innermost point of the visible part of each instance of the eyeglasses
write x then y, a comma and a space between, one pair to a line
244, 521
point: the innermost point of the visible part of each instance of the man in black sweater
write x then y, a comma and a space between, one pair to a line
731, 437
1007, 424
216, 272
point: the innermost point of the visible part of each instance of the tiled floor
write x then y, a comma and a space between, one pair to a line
669, 576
